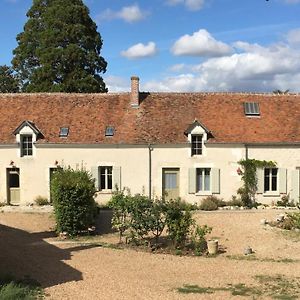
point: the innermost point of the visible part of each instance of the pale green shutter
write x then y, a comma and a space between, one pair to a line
95, 175
295, 193
282, 180
192, 180
260, 180
215, 181
116, 173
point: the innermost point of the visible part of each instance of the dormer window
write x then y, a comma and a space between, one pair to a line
196, 144
26, 145
251, 109
109, 131
64, 132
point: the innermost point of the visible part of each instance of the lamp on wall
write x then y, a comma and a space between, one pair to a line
12, 164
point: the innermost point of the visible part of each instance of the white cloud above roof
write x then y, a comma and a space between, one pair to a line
129, 14
189, 4
200, 43
140, 50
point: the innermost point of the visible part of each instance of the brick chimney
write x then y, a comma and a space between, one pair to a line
135, 92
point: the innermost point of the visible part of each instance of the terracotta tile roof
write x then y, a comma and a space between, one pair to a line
161, 118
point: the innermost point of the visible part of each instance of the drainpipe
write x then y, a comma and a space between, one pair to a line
150, 148
246, 148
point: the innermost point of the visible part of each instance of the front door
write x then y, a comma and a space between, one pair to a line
170, 183
13, 186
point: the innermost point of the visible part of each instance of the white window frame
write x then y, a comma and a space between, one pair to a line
25, 150
195, 149
106, 176
203, 191
270, 191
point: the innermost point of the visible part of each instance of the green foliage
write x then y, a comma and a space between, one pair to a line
73, 200
120, 205
209, 203
248, 190
294, 219
179, 221
198, 238
8, 81
59, 50
285, 201
145, 218
234, 202
11, 289
40, 201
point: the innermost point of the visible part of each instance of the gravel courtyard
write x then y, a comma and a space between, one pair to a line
84, 271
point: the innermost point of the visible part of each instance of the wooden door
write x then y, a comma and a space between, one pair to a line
170, 183
13, 186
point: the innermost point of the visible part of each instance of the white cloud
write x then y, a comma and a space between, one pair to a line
140, 51
128, 14
293, 36
200, 43
116, 84
189, 4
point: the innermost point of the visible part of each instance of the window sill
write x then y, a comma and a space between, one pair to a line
104, 192
204, 193
271, 194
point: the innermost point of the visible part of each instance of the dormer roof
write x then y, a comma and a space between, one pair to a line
31, 125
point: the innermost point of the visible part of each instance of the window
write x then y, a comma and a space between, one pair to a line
251, 109
26, 145
105, 178
64, 132
270, 179
109, 131
203, 179
196, 145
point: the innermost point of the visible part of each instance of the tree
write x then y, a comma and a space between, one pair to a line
59, 50
8, 81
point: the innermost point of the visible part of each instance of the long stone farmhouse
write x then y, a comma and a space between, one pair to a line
185, 144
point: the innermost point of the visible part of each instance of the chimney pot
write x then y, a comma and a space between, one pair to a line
135, 92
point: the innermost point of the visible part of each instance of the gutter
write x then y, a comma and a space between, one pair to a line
150, 149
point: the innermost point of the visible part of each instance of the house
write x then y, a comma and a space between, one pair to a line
185, 144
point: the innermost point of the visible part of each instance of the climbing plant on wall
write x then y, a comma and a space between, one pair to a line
248, 171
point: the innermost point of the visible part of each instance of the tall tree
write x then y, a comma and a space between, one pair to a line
59, 50
8, 82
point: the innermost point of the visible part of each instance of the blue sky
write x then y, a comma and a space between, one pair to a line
188, 45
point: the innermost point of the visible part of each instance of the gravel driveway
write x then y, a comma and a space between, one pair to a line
77, 271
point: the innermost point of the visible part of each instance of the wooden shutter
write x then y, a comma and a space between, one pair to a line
260, 180
215, 181
282, 180
295, 193
95, 175
192, 180
116, 173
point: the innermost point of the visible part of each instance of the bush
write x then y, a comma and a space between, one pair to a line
234, 202
11, 289
208, 203
295, 219
285, 201
73, 200
40, 201
198, 238
179, 221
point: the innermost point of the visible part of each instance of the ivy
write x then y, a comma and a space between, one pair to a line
249, 178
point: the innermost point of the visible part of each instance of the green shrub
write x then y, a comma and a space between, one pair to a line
208, 203
40, 201
198, 238
120, 205
73, 200
295, 219
158, 217
11, 289
234, 202
179, 221
285, 201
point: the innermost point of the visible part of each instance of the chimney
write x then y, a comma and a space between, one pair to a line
135, 93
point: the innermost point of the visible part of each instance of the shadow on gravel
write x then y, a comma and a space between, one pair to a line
103, 221
24, 254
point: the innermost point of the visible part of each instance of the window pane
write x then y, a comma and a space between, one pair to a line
109, 181
105, 178
207, 180
199, 180
267, 180
14, 180
102, 181
170, 181
196, 144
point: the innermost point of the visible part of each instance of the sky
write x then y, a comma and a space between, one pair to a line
187, 45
